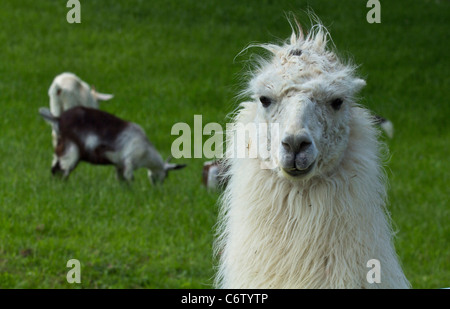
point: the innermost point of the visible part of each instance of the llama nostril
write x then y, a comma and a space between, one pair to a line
296, 144
303, 146
286, 146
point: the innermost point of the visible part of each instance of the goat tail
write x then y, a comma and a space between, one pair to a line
48, 116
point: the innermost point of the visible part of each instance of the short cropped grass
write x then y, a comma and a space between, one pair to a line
166, 61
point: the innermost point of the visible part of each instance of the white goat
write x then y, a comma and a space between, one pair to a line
68, 90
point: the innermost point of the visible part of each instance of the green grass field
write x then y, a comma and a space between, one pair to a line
166, 61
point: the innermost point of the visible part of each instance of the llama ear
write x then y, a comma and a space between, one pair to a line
320, 42
358, 84
293, 38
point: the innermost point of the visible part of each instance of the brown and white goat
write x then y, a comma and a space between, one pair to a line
90, 135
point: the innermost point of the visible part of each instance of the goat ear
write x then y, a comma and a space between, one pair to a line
171, 166
101, 96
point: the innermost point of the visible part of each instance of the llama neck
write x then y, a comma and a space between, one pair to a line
307, 227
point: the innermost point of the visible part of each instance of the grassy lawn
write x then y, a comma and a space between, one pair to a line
166, 61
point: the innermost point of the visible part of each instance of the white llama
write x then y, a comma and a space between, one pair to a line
318, 215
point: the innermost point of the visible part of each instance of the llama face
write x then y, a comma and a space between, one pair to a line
308, 92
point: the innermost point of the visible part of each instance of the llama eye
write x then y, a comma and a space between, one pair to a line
265, 101
336, 104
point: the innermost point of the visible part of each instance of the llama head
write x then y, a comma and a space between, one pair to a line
308, 92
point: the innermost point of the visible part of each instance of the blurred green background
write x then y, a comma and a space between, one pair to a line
166, 61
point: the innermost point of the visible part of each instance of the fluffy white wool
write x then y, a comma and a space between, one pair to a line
318, 231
